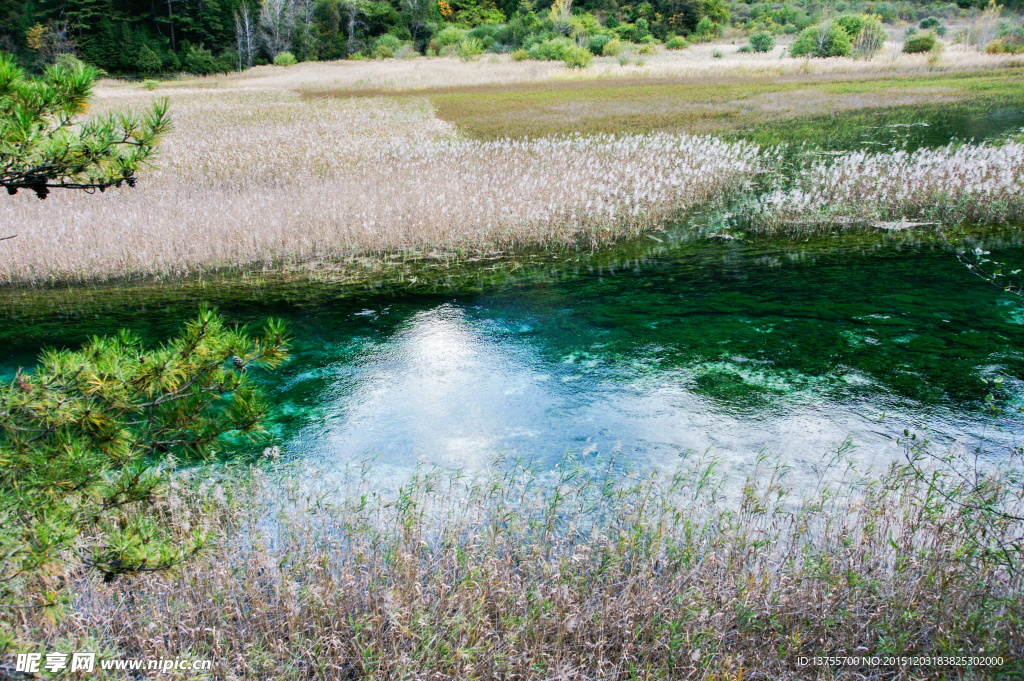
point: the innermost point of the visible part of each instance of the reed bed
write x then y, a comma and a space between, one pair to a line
979, 183
268, 177
577, 573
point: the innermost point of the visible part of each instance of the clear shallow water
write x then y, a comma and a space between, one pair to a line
644, 351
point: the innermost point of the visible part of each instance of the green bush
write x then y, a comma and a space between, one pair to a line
578, 58
1008, 44
851, 23
929, 23
926, 42
762, 42
519, 55
199, 61
746, 49
706, 29
823, 40
285, 59
554, 49
597, 43
717, 54
649, 49
870, 36
470, 49
612, 47
149, 61
677, 43
448, 36
386, 46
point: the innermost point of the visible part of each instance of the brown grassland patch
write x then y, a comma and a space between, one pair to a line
689, 105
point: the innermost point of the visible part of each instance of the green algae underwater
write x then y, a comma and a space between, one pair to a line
680, 341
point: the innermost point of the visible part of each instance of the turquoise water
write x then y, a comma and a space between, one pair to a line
643, 352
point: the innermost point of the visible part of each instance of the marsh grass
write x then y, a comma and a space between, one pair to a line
680, 105
587, 571
978, 183
256, 178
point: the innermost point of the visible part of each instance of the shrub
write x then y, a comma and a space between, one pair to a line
612, 47
150, 85
447, 36
677, 43
870, 38
823, 40
285, 59
624, 57
929, 23
149, 61
554, 49
649, 49
578, 58
519, 55
470, 49
706, 29
851, 23
746, 49
597, 43
386, 46
919, 44
200, 61
762, 42
1006, 45
717, 54
1010, 41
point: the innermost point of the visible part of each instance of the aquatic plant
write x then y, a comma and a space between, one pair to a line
981, 183
582, 572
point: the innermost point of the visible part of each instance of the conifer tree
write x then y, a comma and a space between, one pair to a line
89, 441
43, 145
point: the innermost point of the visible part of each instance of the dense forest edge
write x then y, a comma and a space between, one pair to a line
202, 37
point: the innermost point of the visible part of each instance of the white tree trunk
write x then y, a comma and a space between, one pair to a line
275, 26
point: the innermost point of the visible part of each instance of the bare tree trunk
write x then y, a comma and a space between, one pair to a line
275, 26
170, 17
245, 36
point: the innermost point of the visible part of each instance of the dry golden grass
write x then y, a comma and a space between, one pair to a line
981, 184
695, 63
571, 574
262, 177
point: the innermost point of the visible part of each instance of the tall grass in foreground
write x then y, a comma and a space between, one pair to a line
580, 573
252, 178
967, 183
